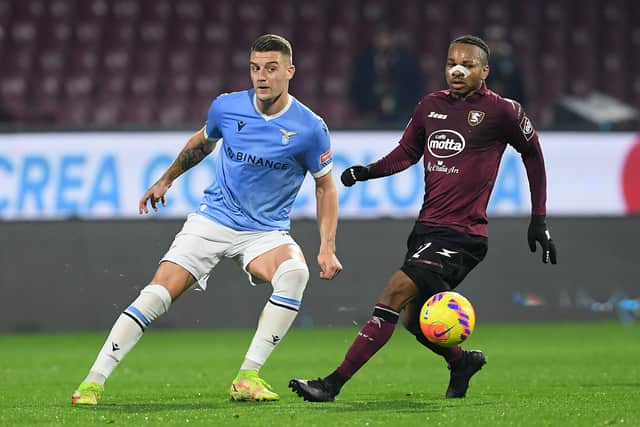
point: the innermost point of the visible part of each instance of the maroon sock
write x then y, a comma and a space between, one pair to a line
373, 335
450, 354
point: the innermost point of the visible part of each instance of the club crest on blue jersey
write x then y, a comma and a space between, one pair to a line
286, 135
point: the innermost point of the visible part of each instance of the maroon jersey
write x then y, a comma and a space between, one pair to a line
462, 142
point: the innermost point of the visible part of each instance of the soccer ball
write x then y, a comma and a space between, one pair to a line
447, 319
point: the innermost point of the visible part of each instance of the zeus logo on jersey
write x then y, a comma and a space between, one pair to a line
434, 115
445, 143
239, 156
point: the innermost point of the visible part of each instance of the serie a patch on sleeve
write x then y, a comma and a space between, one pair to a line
526, 127
325, 157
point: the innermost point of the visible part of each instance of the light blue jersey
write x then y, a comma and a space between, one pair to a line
262, 161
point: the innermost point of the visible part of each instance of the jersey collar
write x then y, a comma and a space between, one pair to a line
268, 117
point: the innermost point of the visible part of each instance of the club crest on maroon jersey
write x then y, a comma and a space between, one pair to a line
475, 117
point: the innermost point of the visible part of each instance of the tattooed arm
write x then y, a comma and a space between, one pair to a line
196, 149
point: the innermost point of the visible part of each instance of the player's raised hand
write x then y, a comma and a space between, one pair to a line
154, 195
538, 232
354, 173
329, 265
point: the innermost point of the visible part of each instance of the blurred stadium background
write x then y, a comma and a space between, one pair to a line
157, 63
97, 97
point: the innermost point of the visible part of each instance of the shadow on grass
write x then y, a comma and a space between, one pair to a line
374, 405
403, 406
162, 407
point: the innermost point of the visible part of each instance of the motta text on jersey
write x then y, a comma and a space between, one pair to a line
445, 143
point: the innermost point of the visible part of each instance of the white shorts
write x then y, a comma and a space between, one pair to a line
202, 243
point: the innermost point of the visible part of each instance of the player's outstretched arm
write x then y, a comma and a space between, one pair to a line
409, 150
406, 154
196, 149
327, 211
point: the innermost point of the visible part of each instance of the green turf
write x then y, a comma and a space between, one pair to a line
555, 374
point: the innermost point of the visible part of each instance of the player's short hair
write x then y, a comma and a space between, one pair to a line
272, 43
476, 41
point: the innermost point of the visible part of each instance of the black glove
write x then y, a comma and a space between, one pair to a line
538, 233
353, 174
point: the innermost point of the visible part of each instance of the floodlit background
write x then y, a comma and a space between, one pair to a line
97, 97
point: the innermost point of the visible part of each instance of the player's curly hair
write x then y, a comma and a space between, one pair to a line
476, 41
272, 43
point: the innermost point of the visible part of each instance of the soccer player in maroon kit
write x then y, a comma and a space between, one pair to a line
462, 133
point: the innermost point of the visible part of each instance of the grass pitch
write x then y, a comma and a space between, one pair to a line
553, 374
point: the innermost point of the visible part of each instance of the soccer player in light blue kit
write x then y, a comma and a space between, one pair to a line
269, 141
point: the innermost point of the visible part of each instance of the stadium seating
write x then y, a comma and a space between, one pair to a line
88, 63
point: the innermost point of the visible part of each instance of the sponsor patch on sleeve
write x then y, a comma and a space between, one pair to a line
526, 127
325, 157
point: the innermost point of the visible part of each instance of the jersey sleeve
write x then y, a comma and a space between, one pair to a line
520, 133
407, 153
212, 128
317, 158
518, 129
